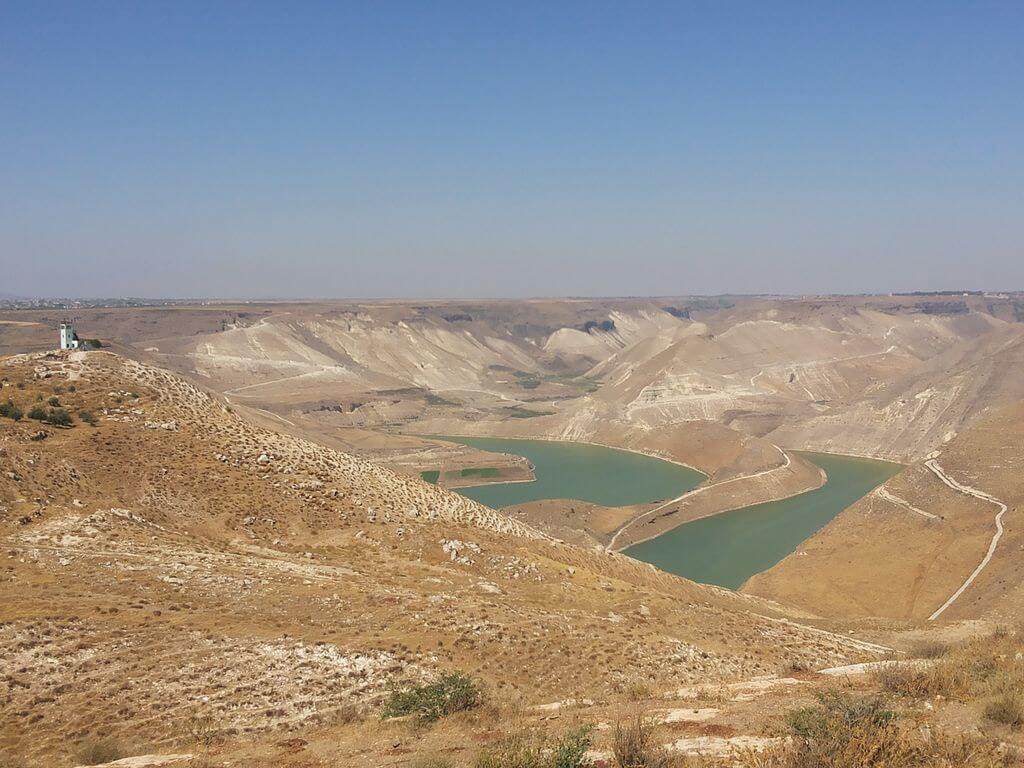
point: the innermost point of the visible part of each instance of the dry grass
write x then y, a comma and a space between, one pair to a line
94, 751
849, 732
532, 750
1007, 709
634, 746
929, 649
989, 666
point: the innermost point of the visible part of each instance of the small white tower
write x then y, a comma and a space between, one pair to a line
68, 337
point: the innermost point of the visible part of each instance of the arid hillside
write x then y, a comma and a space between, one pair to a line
905, 550
172, 570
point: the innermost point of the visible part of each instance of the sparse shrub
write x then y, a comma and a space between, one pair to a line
921, 682
526, 750
203, 730
929, 649
987, 666
37, 412
888, 746
451, 692
637, 690
10, 760
94, 343
432, 762
634, 746
53, 402
1008, 709
96, 751
345, 714
836, 715
516, 751
88, 417
571, 750
848, 732
11, 411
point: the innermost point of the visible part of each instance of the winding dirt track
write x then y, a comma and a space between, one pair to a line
933, 465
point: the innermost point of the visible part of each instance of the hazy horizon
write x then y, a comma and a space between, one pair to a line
458, 150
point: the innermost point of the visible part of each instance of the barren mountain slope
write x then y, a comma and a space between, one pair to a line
905, 550
175, 565
909, 416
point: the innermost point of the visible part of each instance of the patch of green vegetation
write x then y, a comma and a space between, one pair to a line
481, 472
433, 399
450, 693
401, 391
11, 411
525, 413
59, 417
601, 325
431, 475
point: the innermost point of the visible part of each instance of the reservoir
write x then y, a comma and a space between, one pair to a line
724, 549
605, 476
729, 548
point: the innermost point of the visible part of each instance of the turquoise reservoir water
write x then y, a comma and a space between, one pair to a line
729, 548
725, 549
605, 476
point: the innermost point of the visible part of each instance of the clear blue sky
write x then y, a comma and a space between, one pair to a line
513, 149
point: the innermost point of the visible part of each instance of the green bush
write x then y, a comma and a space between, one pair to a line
37, 412
88, 417
451, 692
59, 417
571, 750
54, 401
11, 411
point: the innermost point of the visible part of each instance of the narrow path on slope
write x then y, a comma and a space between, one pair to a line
933, 465
892, 498
699, 489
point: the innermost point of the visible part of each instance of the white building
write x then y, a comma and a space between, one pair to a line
68, 337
